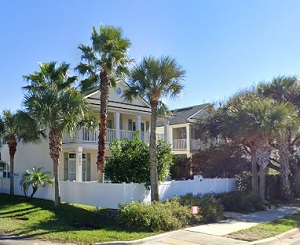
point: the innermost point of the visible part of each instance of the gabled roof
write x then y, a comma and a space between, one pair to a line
185, 115
116, 100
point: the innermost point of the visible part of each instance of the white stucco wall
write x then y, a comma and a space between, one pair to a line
28, 155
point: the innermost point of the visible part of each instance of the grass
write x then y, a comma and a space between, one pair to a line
267, 230
79, 224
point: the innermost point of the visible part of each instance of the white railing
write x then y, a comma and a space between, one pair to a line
88, 136
92, 136
197, 144
70, 138
129, 134
99, 194
179, 144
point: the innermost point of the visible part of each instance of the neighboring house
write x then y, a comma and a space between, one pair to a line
179, 129
79, 154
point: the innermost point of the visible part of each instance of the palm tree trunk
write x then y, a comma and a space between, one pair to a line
104, 93
254, 172
262, 156
12, 146
285, 171
153, 156
34, 190
55, 147
262, 183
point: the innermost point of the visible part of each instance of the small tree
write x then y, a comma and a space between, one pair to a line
35, 178
131, 161
16, 127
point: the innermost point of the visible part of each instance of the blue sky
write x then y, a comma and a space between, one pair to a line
224, 46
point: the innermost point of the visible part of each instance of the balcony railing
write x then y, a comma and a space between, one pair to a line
86, 136
179, 144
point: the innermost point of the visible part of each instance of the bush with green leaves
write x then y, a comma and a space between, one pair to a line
242, 202
210, 207
130, 161
166, 216
181, 169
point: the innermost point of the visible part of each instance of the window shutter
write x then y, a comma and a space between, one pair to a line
66, 171
88, 167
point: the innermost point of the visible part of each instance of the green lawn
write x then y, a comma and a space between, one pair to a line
268, 229
79, 224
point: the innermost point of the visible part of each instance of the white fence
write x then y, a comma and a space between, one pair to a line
111, 195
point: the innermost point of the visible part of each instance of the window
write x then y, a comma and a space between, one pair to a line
143, 127
133, 126
109, 124
72, 167
130, 124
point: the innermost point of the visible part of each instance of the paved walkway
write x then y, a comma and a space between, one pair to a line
213, 234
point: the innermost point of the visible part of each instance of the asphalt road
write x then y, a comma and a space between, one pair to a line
6, 239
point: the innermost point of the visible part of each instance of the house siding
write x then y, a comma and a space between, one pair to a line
29, 155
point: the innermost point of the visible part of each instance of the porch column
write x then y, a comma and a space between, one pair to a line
188, 140
139, 122
117, 124
171, 137
79, 164
166, 131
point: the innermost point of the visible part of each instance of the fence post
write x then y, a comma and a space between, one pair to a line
227, 185
124, 192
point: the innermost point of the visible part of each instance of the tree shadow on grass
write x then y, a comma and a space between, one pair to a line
68, 219
18, 212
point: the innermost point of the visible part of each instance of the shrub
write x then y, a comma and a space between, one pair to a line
210, 208
272, 184
130, 161
238, 201
181, 169
166, 216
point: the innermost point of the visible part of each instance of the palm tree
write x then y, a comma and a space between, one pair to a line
103, 64
283, 142
282, 89
35, 178
154, 79
258, 122
57, 106
13, 128
285, 89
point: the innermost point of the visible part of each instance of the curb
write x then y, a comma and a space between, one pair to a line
277, 239
139, 241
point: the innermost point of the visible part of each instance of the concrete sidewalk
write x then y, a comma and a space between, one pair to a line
213, 234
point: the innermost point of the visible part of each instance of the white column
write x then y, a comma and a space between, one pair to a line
117, 124
171, 138
79, 164
188, 140
139, 121
166, 131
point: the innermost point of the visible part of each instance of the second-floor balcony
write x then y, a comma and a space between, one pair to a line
179, 144
87, 136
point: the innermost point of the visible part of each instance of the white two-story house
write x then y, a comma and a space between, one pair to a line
179, 129
79, 154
